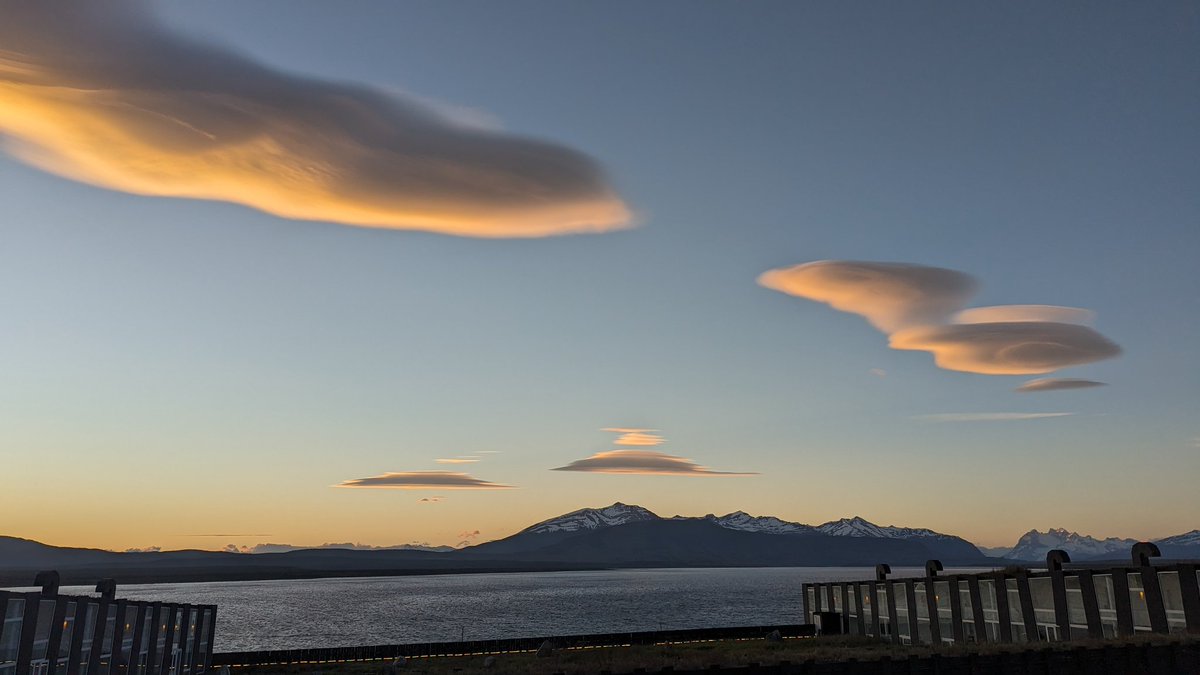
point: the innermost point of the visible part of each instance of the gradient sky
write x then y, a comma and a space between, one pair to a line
184, 373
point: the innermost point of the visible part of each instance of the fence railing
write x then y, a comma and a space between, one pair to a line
1014, 605
44, 633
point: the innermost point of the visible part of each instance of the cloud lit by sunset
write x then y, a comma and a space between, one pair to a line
103, 94
643, 462
422, 480
921, 308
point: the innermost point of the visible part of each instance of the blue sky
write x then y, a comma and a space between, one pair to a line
231, 365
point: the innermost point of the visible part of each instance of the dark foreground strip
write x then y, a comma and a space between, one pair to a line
1172, 658
427, 649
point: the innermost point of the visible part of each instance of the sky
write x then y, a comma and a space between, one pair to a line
266, 256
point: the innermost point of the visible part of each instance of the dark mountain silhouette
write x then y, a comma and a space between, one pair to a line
619, 535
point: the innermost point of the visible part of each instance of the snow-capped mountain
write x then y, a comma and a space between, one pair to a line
593, 519
860, 527
740, 520
1186, 539
600, 533
1034, 545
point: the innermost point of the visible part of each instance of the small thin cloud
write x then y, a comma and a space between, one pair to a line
643, 462
488, 452
989, 416
636, 437
431, 500
457, 460
147, 549
423, 480
1058, 384
878, 372
229, 535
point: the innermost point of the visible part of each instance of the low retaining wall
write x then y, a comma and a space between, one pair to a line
382, 652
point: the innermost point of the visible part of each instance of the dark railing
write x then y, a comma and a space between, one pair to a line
507, 646
1062, 602
44, 633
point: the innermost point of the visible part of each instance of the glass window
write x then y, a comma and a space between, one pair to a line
1106, 601
810, 604
945, 618
68, 632
105, 646
1076, 614
904, 629
922, 613
10, 635
968, 612
129, 624
1173, 601
143, 647
41, 636
204, 635
1016, 618
881, 607
1137, 599
991, 616
1042, 591
89, 630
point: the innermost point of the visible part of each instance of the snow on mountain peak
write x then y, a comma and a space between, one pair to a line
740, 520
1186, 539
593, 519
861, 527
1034, 545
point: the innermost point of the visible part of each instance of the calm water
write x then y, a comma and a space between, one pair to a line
289, 614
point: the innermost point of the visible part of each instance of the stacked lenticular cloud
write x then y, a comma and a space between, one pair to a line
924, 308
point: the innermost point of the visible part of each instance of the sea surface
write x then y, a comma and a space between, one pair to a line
292, 614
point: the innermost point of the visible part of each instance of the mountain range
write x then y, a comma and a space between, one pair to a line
616, 536
1033, 545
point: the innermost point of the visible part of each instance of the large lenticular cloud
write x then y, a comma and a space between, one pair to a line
1008, 348
921, 308
101, 93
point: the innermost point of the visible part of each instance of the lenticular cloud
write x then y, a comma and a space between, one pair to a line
889, 295
642, 462
922, 308
103, 94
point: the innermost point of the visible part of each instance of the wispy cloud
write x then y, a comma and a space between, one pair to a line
104, 94
223, 534
457, 460
643, 462
431, 500
423, 480
636, 437
922, 308
1057, 384
988, 416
